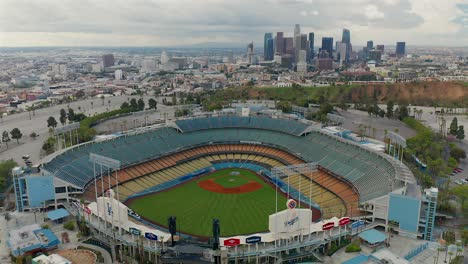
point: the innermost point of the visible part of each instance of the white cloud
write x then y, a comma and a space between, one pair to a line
372, 12
172, 22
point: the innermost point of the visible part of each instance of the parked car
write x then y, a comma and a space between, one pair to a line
458, 182
464, 181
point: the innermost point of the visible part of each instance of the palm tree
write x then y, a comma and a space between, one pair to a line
92, 104
109, 102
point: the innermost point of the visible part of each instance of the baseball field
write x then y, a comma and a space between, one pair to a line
239, 198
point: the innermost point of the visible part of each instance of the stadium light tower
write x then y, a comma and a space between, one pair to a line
109, 164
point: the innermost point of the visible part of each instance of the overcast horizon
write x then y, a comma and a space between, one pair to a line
166, 23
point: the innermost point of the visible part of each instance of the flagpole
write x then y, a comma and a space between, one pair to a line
102, 195
95, 191
276, 209
118, 200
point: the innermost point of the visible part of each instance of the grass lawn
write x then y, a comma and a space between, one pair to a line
195, 208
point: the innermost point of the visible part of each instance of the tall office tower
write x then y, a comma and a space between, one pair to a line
324, 62
346, 39
301, 44
327, 45
266, 55
376, 55
311, 46
164, 58
108, 60
381, 48
279, 43
289, 46
118, 75
250, 52
341, 52
297, 29
370, 45
400, 49
270, 50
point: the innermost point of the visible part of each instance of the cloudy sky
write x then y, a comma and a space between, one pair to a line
185, 22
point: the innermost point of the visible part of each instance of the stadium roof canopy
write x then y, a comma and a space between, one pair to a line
373, 236
57, 214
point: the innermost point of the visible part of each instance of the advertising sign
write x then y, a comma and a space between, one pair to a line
253, 240
290, 220
328, 226
151, 236
135, 231
231, 242
344, 221
291, 204
358, 224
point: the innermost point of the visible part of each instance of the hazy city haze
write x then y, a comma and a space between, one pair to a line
187, 22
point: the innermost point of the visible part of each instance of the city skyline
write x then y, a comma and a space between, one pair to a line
182, 23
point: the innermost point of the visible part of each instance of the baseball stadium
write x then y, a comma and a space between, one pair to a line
223, 167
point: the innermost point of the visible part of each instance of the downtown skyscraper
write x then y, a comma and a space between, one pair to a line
346, 40
327, 45
268, 47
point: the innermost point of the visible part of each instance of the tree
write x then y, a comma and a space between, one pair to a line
174, 99
51, 122
402, 112
80, 94
124, 105
453, 126
141, 104
458, 153
5, 138
63, 116
102, 99
5, 173
71, 114
49, 145
153, 104
461, 132
33, 135
16, 134
133, 104
390, 106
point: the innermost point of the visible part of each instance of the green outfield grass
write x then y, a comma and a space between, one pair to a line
195, 207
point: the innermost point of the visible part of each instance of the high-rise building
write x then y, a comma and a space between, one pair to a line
327, 45
164, 57
400, 49
148, 65
268, 49
279, 43
108, 60
311, 46
324, 62
341, 52
289, 46
297, 31
381, 48
370, 45
375, 55
346, 39
118, 75
250, 52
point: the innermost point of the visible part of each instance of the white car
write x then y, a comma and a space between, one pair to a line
463, 181
458, 182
